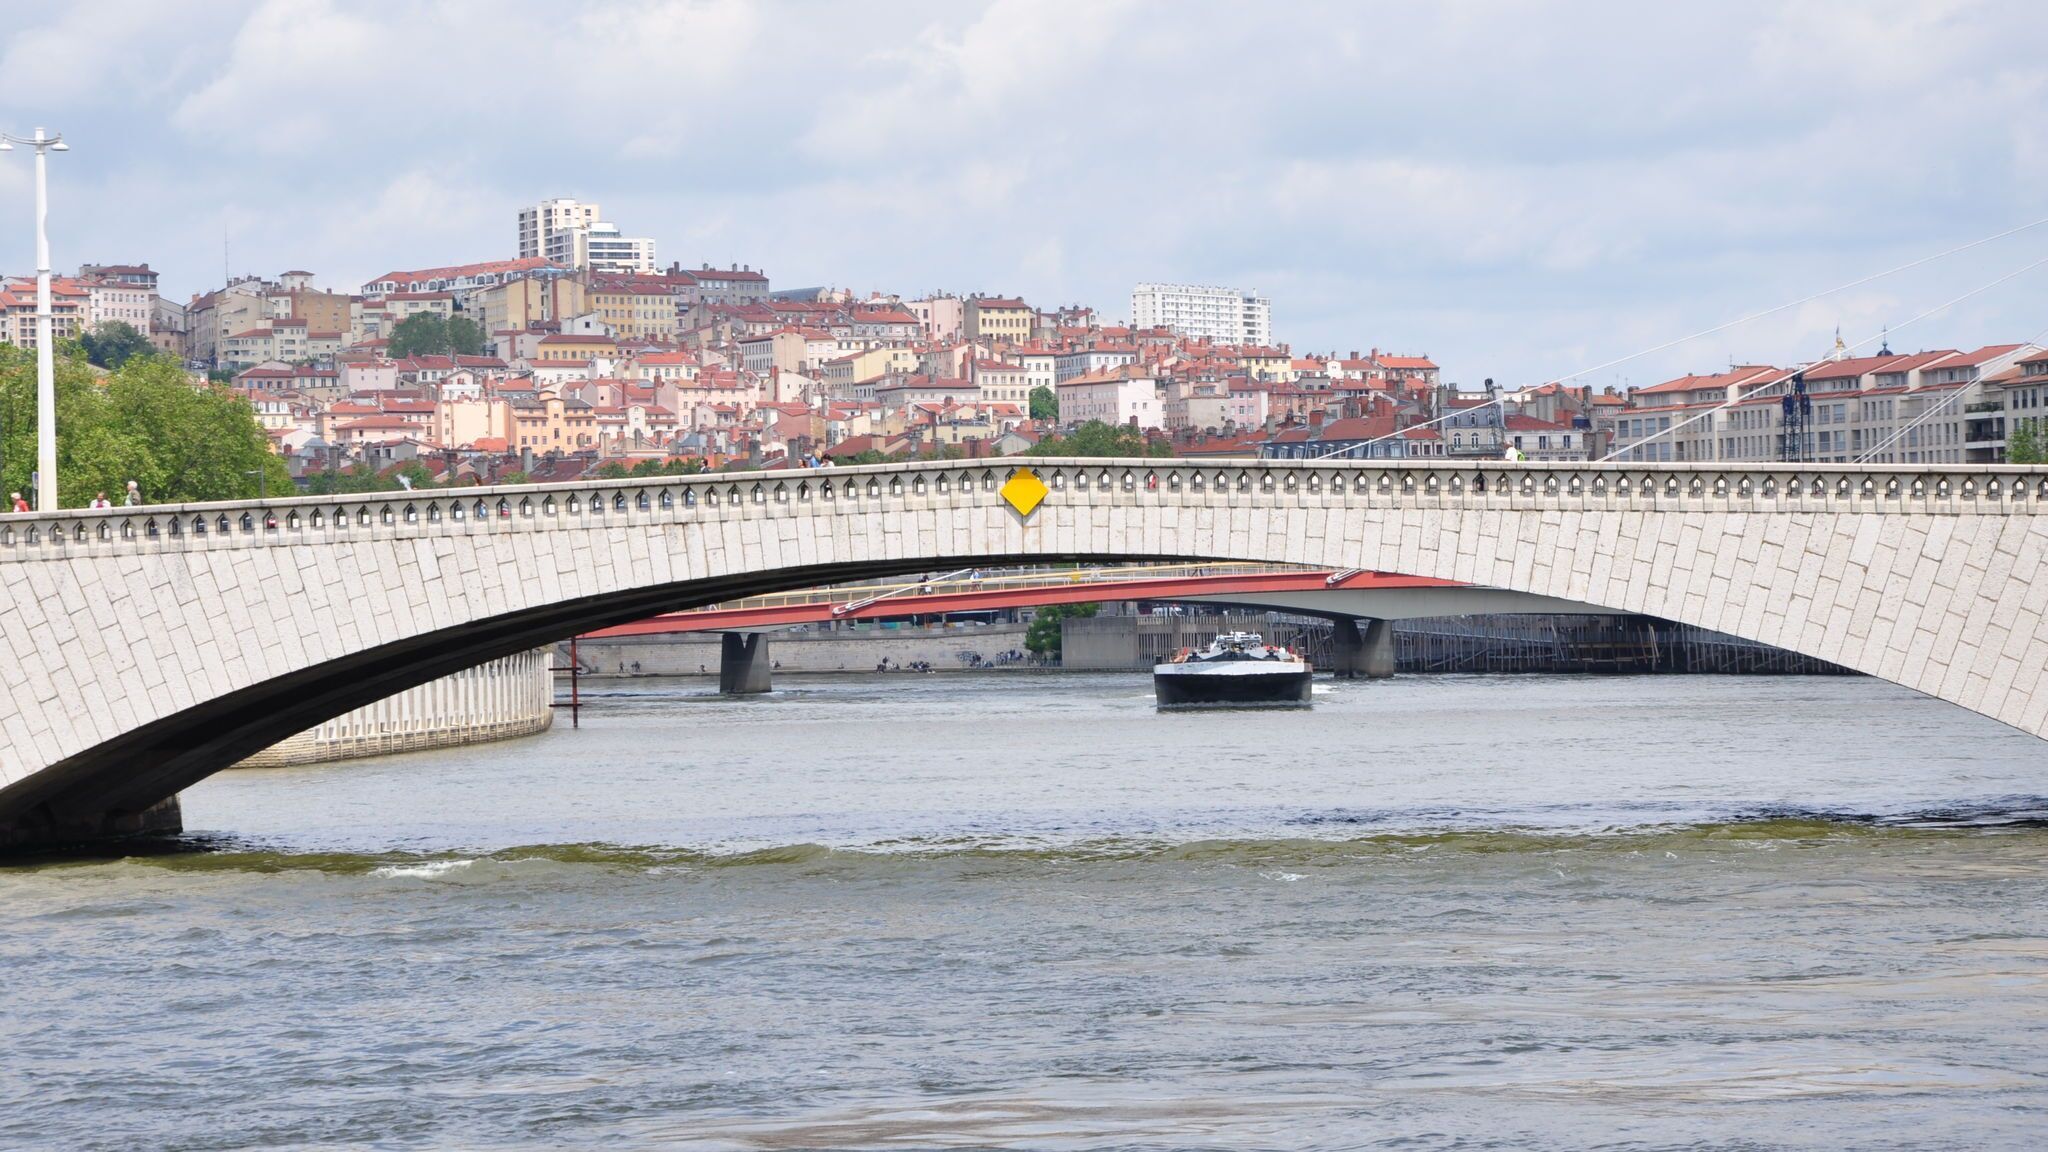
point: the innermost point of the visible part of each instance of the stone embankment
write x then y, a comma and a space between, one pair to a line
495, 701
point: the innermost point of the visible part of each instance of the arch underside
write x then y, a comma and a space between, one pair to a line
136, 771
1746, 578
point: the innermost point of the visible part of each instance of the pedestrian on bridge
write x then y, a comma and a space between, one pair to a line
134, 496
101, 501
20, 505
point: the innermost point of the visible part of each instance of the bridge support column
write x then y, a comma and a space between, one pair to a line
47, 827
1369, 656
743, 664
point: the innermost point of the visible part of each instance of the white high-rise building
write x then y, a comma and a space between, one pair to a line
539, 224
1225, 315
600, 248
572, 232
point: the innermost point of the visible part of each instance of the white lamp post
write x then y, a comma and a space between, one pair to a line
46, 371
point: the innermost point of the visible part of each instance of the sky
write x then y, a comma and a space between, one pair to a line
1520, 191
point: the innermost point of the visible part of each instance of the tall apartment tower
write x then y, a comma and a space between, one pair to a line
1225, 315
540, 224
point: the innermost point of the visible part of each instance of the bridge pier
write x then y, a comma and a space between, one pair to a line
1368, 657
49, 827
743, 664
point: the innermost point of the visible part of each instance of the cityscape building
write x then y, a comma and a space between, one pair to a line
1204, 312
540, 224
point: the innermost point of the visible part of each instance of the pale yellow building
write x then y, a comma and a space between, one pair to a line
991, 318
633, 310
567, 348
519, 304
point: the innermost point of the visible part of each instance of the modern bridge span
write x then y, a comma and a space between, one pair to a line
154, 646
1358, 605
1308, 591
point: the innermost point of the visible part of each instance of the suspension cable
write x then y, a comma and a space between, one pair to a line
1663, 432
1952, 398
1722, 327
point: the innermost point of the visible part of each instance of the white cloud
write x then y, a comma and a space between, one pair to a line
291, 80
1515, 190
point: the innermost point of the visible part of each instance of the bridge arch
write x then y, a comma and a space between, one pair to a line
155, 646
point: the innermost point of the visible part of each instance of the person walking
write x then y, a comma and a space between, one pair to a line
100, 501
20, 505
134, 496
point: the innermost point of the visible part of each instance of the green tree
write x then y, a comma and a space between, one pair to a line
334, 483
421, 334
146, 421
432, 334
868, 457
2025, 445
674, 466
199, 442
1096, 438
1042, 638
1044, 405
414, 473
466, 337
114, 343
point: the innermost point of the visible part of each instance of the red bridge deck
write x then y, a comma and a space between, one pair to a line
1053, 591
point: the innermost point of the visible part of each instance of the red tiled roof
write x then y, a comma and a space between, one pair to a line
1744, 375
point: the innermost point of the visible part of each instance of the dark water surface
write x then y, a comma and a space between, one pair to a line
908, 912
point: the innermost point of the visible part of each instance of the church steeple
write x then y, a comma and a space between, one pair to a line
1885, 346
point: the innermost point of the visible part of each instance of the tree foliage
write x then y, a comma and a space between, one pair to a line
1096, 438
1043, 636
674, 466
360, 479
1044, 405
146, 421
2025, 444
432, 334
114, 343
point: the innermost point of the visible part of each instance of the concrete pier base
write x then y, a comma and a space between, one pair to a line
1369, 656
49, 828
743, 664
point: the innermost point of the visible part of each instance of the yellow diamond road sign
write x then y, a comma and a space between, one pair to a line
1023, 491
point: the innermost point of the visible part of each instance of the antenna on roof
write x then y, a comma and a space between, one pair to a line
1884, 347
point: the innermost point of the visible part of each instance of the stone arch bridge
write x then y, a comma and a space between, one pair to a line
150, 647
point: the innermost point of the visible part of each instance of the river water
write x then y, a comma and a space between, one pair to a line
1030, 911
